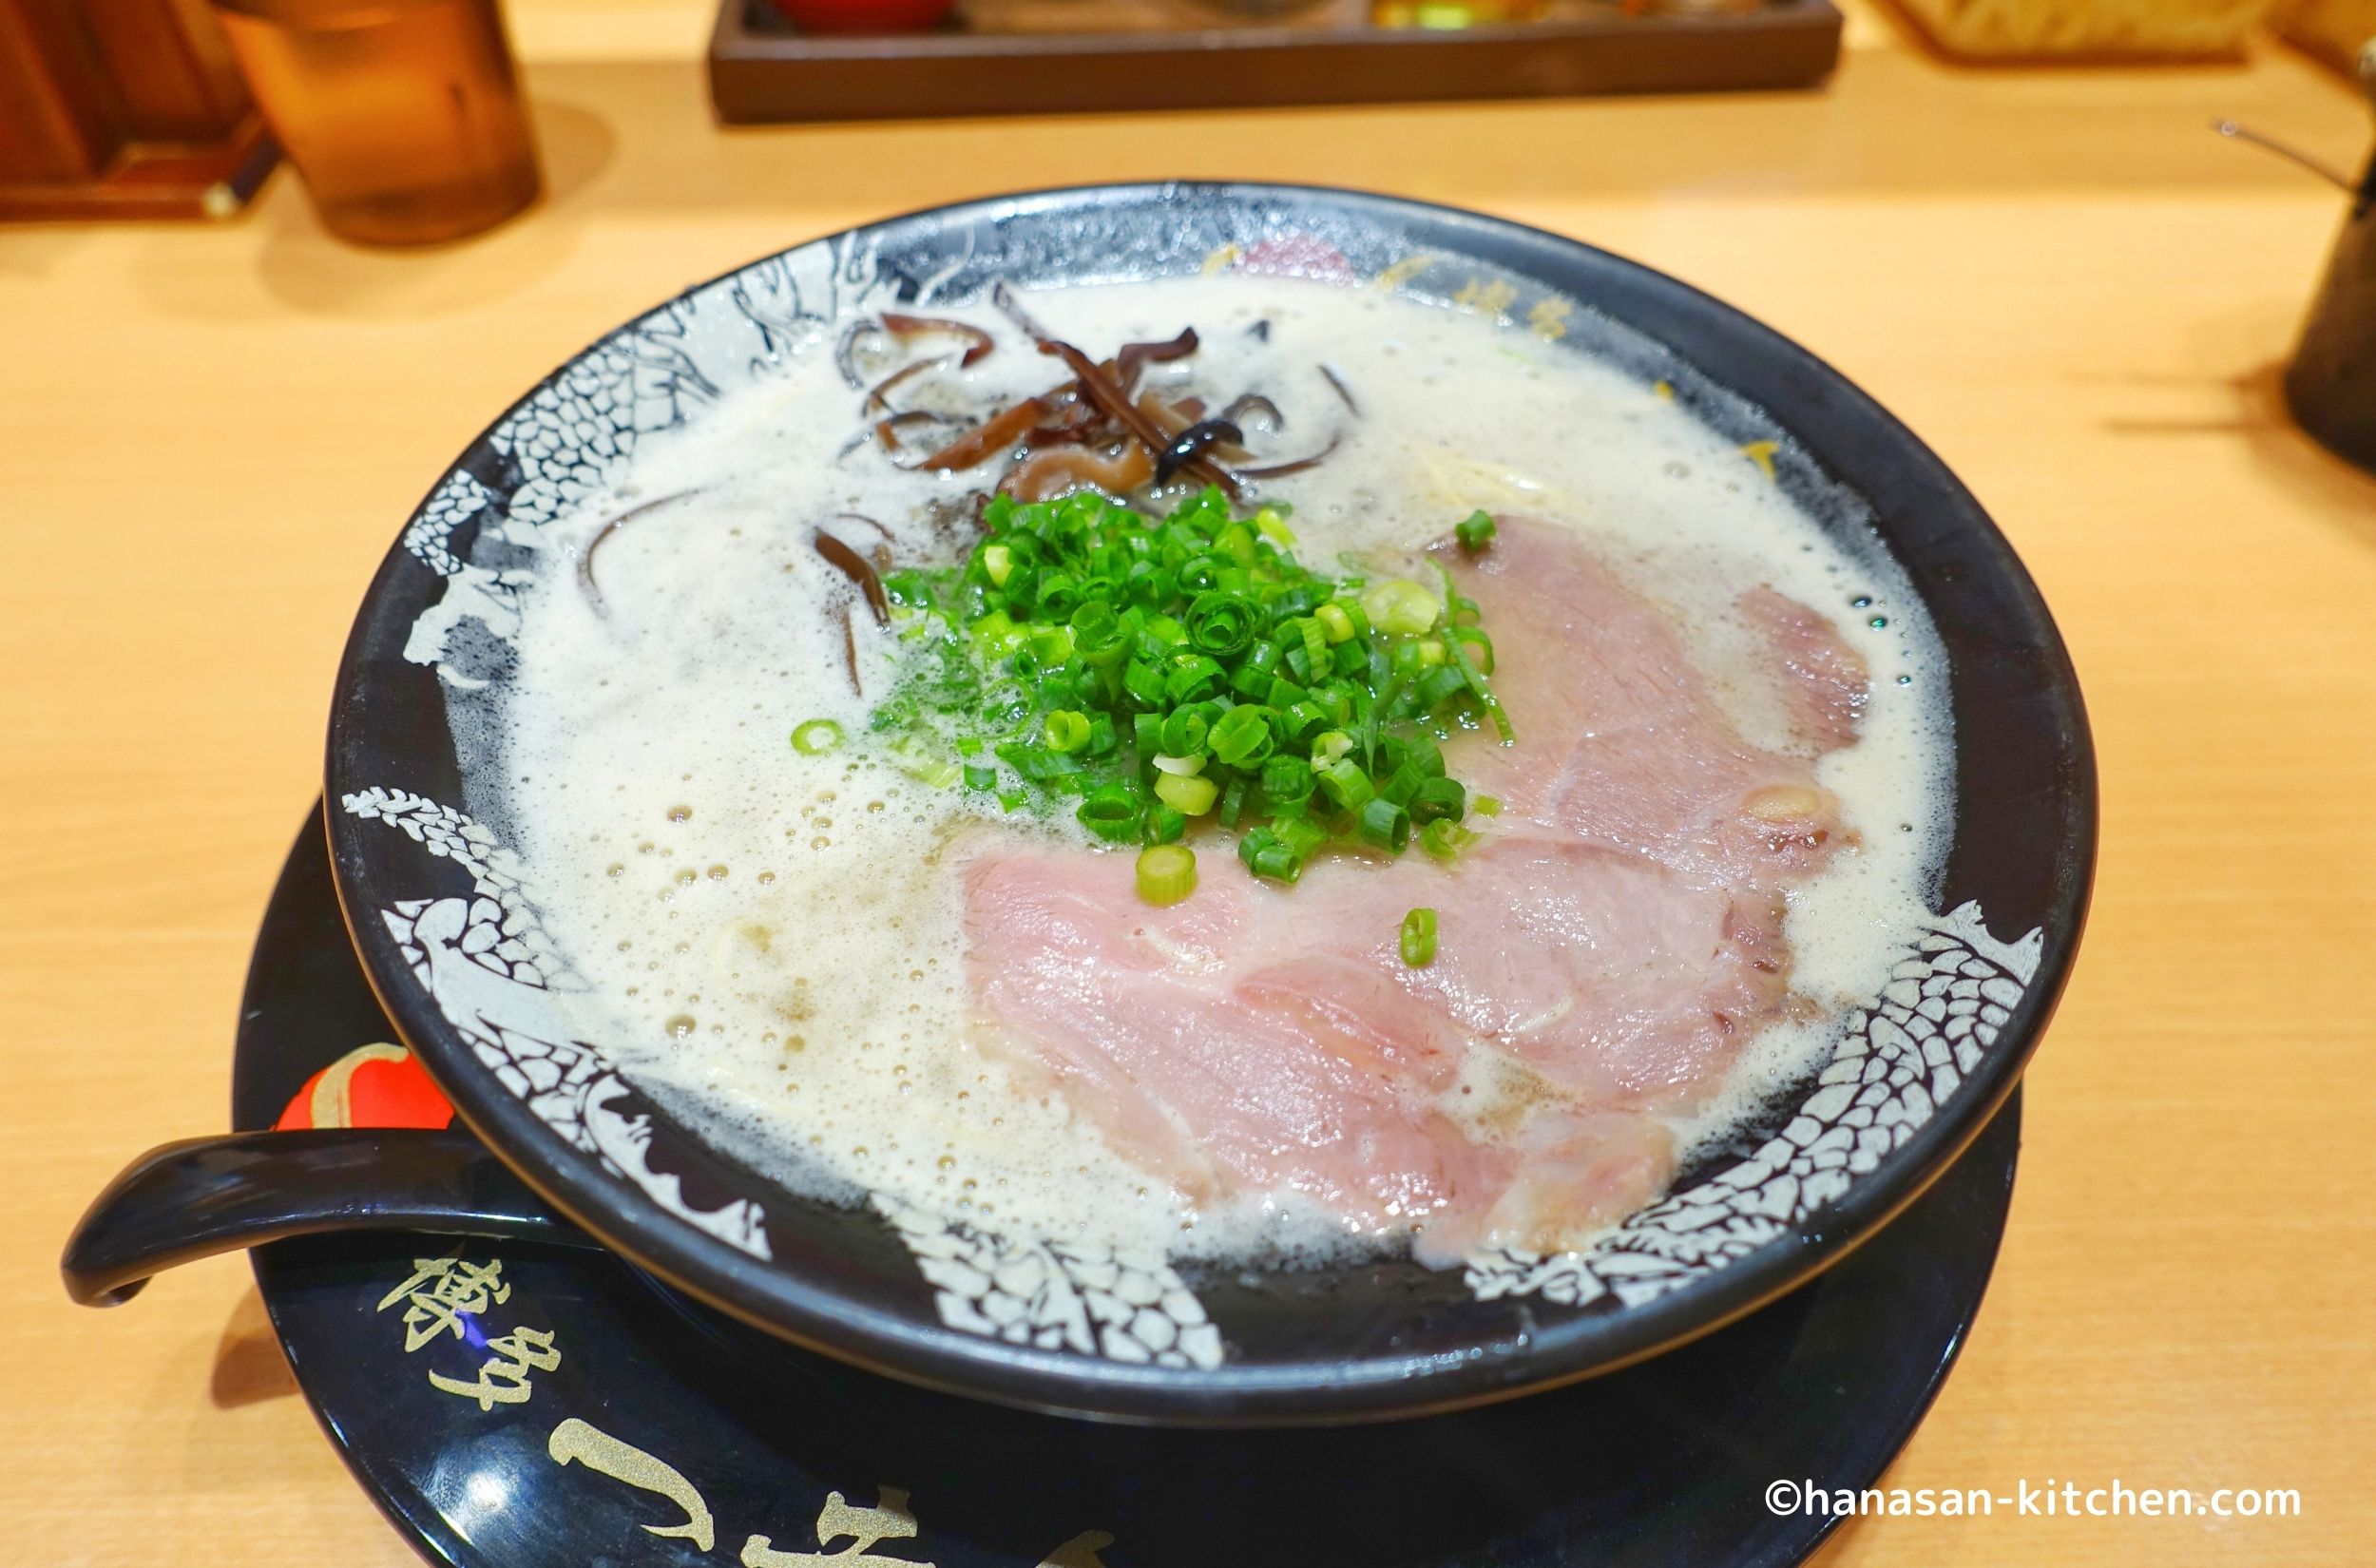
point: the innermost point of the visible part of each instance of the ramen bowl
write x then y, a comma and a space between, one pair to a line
451, 935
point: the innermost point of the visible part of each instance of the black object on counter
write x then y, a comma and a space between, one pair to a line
2332, 384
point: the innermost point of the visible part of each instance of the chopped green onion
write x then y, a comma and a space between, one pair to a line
1233, 803
1038, 763
1279, 862
1475, 531
1440, 684
1444, 838
1193, 677
1419, 938
1265, 855
931, 773
1347, 784
1283, 694
1006, 705
1059, 594
1167, 874
1400, 607
1383, 825
1159, 670
1402, 783
1312, 641
1474, 638
1299, 835
1145, 683
1437, 800
1242, 738
1051, 645
815, 738
1487, 805
1184, 731
1302, 719
1223, 624
1454, 606
1111, 813
1186, 794
1287, 779
1101, 638
998, 634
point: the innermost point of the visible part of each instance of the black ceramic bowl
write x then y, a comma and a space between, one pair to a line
451, 943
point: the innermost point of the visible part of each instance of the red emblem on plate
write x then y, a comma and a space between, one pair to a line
376, 1085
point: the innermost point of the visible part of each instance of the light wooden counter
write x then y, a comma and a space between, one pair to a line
2062, 280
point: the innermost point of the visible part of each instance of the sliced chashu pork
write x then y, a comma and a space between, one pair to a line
1610, 947
1623, 741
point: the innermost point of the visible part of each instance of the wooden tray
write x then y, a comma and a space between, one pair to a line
1044, 56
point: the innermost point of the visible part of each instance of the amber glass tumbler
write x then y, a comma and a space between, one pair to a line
404, 117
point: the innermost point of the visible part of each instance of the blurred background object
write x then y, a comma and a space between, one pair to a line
1444, 15
404, 117
123, 109
1087, 56
2087, 29
2330, 385
2335, 30
864, 15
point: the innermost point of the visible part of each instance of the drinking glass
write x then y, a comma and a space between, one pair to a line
403, 117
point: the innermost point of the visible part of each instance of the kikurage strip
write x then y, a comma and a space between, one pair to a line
978, 343
1100, 388
881, 397
990, 437
859, 570
1134, 357
586, 562
1280, 471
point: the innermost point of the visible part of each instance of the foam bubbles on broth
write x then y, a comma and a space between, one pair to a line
771, 944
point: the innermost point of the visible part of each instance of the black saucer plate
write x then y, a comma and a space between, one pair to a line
524, 1406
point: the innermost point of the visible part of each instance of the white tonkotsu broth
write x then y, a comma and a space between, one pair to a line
770, 943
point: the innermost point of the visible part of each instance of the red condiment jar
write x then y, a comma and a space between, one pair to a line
860, 16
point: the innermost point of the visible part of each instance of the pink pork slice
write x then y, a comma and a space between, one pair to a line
1622, 741
1615, 942
1145, 1019
1824, 681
